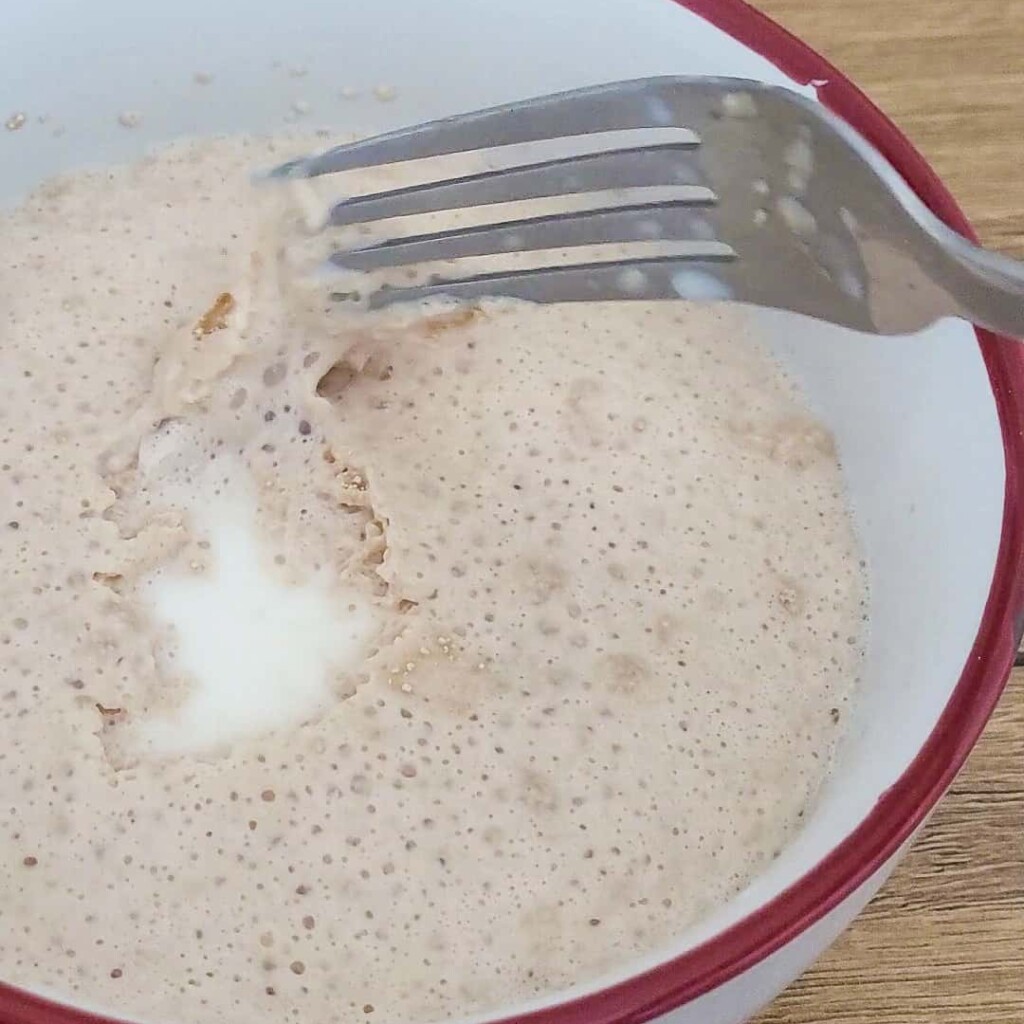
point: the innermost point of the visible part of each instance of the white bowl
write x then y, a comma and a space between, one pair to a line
930, 429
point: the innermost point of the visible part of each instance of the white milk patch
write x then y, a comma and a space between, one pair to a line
260, 654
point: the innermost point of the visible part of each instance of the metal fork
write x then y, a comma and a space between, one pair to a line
771, 200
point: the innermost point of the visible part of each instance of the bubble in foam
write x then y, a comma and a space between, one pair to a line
632, 281
700, 285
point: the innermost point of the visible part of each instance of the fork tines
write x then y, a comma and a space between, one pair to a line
618, 206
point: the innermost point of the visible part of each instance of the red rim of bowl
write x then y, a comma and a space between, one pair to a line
905, 805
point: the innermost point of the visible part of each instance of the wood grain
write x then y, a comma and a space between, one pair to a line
943, 943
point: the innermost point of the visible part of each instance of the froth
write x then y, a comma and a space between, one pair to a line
395, 667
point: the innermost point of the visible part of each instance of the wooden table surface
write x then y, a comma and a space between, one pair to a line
943, 943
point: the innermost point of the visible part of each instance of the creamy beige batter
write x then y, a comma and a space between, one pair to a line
388, 667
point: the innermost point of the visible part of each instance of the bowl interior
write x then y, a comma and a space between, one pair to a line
915, 418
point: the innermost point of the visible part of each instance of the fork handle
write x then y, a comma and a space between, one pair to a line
988, 288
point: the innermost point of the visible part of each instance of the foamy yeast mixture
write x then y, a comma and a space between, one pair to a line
383, 667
